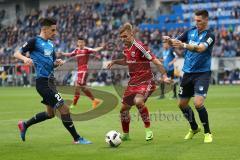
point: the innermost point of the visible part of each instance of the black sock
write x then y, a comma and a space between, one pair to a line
37, 119
162, 87
189, 115
175, 90
203, 115
68, 124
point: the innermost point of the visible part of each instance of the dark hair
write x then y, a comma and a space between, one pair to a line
80, 38
203, 13
47, 22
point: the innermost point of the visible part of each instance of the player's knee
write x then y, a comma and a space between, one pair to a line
83, 88
198, 104
182, 104
124, 109
64, 109
50, 115
139, 102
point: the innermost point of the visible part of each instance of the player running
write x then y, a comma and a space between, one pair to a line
198, 42
42, 55
82, 54
137, 57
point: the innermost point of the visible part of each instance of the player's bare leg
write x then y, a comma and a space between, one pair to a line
125, 121
76, 95
143, 111
88, 93
189, 115
203, 115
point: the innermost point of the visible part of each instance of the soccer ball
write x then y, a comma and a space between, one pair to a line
113, 138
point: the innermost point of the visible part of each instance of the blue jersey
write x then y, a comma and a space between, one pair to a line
168, 56
194, 61
43, 55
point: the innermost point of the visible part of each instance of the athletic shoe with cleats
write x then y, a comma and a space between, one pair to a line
95, 103
22, 129
125, 137
82, 140
208, 138
191, 133
149, 135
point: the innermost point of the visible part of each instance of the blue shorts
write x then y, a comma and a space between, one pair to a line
194, 84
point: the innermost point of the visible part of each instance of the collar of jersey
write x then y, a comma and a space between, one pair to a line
42, 38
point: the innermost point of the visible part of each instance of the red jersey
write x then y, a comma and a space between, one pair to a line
138, 58
82, 57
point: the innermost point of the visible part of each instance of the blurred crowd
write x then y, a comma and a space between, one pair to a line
98, 23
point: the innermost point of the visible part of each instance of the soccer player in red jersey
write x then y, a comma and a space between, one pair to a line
82, 54
137, 57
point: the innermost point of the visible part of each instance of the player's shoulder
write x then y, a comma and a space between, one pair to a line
138, 42
191, 29
140, 45
210, 33
88, 48
31, 42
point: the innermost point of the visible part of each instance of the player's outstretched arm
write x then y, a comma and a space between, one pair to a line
117, 61
97, 49
67, 54
192, 47
25, 59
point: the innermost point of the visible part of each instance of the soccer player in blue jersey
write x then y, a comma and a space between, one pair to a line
198, 44
169, 57
42, 55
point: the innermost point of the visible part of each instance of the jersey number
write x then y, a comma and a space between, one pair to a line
180, 90
58, 97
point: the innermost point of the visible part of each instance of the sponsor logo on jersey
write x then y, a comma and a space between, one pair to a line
133, 54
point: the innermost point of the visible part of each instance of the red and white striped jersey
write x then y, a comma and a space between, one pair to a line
82, 56
138, 58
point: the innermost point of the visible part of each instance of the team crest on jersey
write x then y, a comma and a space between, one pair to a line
200, 37
133, 54
200, 88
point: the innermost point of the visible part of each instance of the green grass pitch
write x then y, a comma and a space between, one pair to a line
49, 140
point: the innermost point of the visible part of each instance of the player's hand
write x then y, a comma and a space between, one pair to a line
166, 38
28, 61
109, 65
59, 62
177, 44
165, 79
103, 45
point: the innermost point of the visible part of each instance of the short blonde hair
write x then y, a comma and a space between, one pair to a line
126, 27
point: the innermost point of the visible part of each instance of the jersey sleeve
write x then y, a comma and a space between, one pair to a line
54, 56
28, 46
145, 51
90, 50
183, 37
73, 53
209, 40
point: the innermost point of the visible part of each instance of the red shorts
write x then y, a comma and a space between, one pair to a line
82, 78
145, 89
